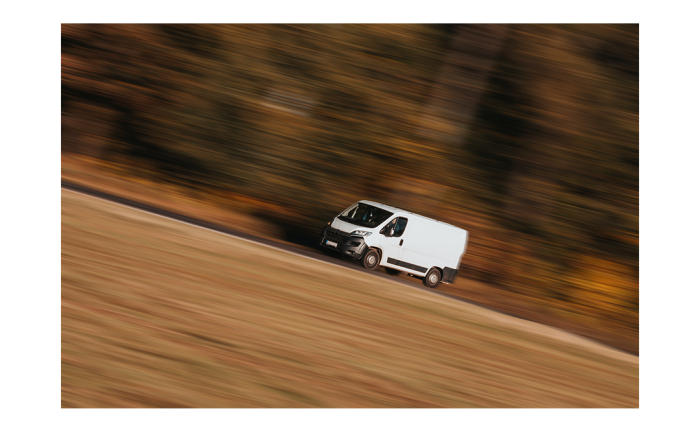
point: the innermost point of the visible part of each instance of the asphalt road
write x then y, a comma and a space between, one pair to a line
319, 254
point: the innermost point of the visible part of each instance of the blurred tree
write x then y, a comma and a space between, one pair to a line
525, 134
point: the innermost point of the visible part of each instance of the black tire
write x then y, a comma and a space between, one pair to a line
370, 260
432, 278
392, 271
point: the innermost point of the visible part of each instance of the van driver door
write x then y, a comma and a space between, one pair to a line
393, 245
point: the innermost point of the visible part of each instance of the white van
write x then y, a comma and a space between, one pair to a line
382, 235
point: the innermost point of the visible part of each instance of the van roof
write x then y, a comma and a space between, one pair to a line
393, 209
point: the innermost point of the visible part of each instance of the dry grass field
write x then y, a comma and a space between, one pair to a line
156, 313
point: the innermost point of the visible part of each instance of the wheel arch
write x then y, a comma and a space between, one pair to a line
379, 250
439, 269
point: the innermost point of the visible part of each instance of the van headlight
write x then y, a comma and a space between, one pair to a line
361, 233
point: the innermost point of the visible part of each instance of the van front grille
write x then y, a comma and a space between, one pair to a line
336, 236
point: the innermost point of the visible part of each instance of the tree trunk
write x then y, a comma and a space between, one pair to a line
462, 80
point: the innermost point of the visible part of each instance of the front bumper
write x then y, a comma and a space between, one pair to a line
336, 240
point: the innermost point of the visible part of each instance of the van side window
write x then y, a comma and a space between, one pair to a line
400, 227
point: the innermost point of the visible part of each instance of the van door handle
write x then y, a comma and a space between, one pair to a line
401, 242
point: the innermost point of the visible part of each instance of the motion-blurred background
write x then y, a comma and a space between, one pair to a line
525, 135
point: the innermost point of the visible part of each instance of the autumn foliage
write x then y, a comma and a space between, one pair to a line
525, 135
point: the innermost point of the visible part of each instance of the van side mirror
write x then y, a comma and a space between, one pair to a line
391, 232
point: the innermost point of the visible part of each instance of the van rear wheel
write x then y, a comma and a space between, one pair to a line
432, 278
371, 259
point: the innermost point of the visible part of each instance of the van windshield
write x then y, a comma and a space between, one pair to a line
365, 215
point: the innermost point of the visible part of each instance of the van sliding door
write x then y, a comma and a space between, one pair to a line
416, 248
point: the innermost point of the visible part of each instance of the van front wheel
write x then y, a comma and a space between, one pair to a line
371, 259
432, 279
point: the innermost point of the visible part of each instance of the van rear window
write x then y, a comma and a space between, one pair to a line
365, 215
